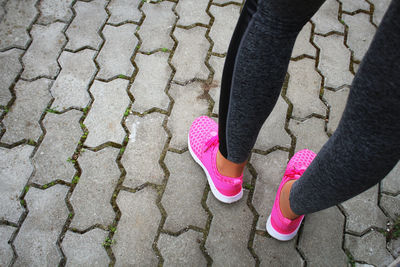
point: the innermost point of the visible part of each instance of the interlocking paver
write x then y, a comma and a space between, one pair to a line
182, 250
223, 27
84, 29
370, 248
71, 86
115, 56
303, 45
6, 253
151, 81
85, 249
51, 159
391, 183
9, 69
360, 33
273, 130
217, 63
270, 169
326, 18
13, 27
52, 11
92, 195
309, 134
227, 1
185, 186
354, 5
22, 121
337, 101
104, 118
15, 169
334, 60
276, 253
394, 248
380, 7
158, 22
136, 228
303, 88
229, 232
36, 241
192, 12
124, 10
41, 57
391, 205
322, 238
187, 107
363, 212
141, 157
190, 54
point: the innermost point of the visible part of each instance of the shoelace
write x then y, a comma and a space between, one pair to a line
295, 173
213, 141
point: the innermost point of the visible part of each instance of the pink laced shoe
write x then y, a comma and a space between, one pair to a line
278, 226
203, 146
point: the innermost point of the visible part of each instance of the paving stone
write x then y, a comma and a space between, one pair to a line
192, 12
229, 232
85, 249
226, 1
115, 56
217, 63
158, 22
9, 70
190, 54
310, 134
272, 252
270, 169
185, 186
52, 11
394, 247
303, 45
334, 61
304, 87
322, 237
391, 205
6, 253
137, 228
15, 169
380, 7
273, 131
104, 118
360, 33
92, 195
363, 212
2, 11
362, 265
22, 121
62, 136
183, 250
187, 107
16, 21
36, 242
151, 81
370, 248
223, 27
41, 57
391, 183
326, 18
71, 86
123, 11
337, 100
84, 29
354, 5
142, 154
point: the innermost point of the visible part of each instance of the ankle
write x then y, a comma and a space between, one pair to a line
229, 168
284, 201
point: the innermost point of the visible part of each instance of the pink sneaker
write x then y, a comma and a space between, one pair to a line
278, 226
203, 146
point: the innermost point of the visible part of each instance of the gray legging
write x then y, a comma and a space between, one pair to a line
366, 144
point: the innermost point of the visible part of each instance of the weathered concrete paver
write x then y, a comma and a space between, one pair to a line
35, 243
337, 101
15, 169
380, 7
91, 197
326, 18
303, 45
391, 205
52, 11
192, 12
124, 11
182, 250
9, 69
309, 134
85, 249
6, 253
391, 183
354, 5
217, 63
22, 121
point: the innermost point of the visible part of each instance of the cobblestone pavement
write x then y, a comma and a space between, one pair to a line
96, 99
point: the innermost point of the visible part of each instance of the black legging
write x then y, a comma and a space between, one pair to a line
366, 144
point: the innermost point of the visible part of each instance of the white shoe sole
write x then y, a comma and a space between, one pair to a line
214, 190
275, 234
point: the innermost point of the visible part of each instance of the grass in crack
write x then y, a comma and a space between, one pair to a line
108, 242
394, 230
